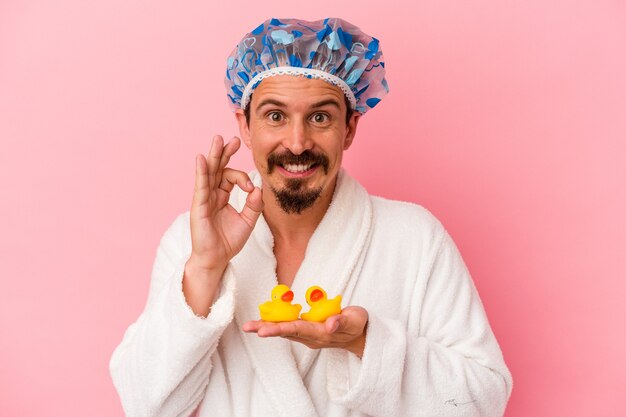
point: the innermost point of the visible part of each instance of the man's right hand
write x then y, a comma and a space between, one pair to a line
218, 231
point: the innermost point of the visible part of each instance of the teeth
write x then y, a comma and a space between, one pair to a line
297, 168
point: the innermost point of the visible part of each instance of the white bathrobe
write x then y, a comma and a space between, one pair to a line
429, 349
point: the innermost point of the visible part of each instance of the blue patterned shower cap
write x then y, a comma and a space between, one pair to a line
332, 50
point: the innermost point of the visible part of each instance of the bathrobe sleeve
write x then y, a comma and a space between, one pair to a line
445, 361
162, 365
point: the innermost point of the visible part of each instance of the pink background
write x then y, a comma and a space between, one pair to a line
506, 119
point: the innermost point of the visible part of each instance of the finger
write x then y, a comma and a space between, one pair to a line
300, 329
252, 326
253, 207
269, 329
263, 328
213, 160
352, 320
334, 323
229, 150
221, 198
201, 190
230, 177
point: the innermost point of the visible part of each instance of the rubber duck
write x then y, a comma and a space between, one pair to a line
321, 307
280, 307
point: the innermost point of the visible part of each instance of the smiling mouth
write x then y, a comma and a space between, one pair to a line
295, 166
299, 168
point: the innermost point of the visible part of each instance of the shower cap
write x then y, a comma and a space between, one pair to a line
332, 50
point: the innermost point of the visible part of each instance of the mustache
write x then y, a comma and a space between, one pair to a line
305, 158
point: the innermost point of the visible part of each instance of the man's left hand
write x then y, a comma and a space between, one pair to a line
346, 330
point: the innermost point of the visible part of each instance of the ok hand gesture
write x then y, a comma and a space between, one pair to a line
218, 231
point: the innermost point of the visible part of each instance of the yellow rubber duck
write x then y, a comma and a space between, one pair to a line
321, 307
280, 307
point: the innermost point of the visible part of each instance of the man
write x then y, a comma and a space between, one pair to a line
412, 339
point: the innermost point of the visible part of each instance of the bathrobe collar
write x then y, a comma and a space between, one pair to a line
332, 260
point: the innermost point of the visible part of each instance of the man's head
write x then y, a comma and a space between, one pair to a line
297, 129
298, 89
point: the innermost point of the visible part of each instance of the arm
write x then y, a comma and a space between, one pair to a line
162, 365
445, 361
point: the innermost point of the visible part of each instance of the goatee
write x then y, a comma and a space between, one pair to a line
295, 197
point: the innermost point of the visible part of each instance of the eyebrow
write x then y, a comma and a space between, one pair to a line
277, 103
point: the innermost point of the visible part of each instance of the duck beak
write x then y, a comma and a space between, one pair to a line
316, 295
288, 296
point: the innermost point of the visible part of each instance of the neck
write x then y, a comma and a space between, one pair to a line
292, 227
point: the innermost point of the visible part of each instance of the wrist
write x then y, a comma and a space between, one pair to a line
200, 266
200, 286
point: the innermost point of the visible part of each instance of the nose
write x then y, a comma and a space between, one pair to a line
298, 138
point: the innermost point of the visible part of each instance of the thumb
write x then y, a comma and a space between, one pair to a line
253, 207
352, 319
338, 322
333, 323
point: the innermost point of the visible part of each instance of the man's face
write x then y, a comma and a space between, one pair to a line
297, 134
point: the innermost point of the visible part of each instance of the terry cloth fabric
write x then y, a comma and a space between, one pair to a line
429, 349
332, 50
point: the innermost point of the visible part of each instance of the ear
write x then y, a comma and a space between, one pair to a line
351, 129
244, 129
